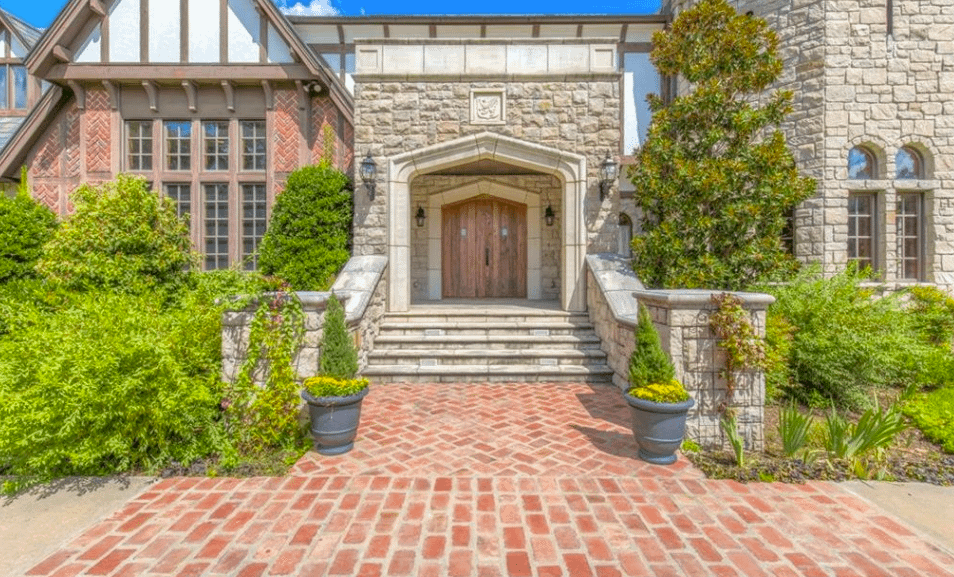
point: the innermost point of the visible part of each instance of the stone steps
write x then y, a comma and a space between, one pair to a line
486, 345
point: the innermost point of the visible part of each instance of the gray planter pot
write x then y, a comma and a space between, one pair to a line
659, 428
334, 421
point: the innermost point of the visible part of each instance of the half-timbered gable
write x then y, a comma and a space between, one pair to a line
214, 102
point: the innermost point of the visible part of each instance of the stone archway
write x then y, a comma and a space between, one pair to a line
569, 168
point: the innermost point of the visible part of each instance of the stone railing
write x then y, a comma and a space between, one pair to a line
361, 289
682, 319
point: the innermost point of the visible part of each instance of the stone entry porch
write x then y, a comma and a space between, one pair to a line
487, 340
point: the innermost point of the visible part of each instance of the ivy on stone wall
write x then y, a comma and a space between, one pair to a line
715, 179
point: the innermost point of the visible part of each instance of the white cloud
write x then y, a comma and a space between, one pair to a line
315, 8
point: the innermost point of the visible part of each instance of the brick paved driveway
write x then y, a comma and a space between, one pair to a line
521, 480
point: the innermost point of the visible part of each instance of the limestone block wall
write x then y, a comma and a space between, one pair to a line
682, 319
545, 186
579, 115
360, 287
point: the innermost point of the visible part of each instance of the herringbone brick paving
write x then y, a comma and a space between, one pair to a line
517, 480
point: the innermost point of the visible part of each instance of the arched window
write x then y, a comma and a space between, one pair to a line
625, 235
861, 164
909, 164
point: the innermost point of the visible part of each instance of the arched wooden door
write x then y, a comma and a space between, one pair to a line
484, 249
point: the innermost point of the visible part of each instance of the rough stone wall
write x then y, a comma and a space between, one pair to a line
886, 90
550, 191
393, 117
682, 320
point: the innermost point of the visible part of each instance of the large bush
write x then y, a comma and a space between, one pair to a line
25, 226
112, 383
715, 179
834, 340
308, 238
122, 236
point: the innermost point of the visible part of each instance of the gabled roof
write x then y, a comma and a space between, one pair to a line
78, 16
26, 34
29, 131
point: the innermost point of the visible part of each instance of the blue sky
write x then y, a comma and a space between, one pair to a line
41, 13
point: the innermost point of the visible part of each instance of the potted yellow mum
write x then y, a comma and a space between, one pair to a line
334, 397
659, 404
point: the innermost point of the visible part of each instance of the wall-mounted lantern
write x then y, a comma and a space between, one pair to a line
420, 216
548, 215
369, 172
609, 170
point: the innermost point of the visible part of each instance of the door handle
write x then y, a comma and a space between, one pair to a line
487, 256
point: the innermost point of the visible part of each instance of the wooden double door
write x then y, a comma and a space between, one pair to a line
484, 249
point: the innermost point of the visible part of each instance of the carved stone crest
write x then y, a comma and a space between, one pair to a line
488, 106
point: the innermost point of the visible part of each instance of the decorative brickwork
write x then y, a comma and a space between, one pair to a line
324, 123
287, 131
98, 134
72, 152
49, 195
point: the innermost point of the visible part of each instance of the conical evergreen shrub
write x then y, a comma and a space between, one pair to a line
649, 364
339, 357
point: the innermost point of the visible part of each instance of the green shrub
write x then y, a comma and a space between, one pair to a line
339, 357
122, 237
845, 340
308, 238
933, 413
649, 363
933, 314
110, 383
25, 226
779, 337
322, 386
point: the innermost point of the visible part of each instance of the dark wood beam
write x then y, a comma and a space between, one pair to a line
62, 54
178, 72
78, 93
97, 7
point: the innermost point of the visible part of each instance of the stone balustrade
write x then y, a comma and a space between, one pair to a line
682, 319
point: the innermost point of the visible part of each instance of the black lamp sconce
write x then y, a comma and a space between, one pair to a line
548, 215
369, 172
420, 216
609, 170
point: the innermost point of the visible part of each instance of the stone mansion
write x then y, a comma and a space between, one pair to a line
486, 150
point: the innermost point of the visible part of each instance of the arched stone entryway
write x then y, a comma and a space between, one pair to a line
569, 168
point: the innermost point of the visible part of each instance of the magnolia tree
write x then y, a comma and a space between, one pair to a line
715, 179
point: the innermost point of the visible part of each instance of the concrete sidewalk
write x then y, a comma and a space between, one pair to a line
36, 523
496, 480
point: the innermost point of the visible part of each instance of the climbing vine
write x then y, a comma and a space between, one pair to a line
261, 405
744, 350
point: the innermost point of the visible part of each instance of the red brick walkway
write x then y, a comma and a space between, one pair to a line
529, 480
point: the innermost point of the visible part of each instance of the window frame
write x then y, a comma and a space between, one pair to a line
198, 177
918, 235
874, 259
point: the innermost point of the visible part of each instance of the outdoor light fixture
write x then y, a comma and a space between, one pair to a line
608, 172
369, 171
548, 215
420, 216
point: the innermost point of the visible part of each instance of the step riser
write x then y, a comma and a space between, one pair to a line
485, 362
538, 346
527, 378
515, 319
478, 331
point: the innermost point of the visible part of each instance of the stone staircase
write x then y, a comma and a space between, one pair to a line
472, 343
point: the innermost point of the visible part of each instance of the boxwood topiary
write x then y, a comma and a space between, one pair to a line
339, 358
309, 235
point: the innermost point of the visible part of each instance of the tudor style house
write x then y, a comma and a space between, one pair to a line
493, 145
